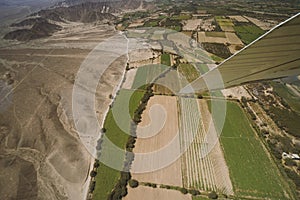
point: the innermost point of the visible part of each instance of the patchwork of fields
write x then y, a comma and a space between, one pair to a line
252, 171
238, 166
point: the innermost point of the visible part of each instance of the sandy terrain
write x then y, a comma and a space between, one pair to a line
238, 18
236, 92
148, 193
232, 38
158, 35
130, 75
207, 25
264, 25
154, 135
137, 24
227, 28
141, 57
36, 115
192, 24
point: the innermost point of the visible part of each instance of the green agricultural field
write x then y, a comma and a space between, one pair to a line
203, 68
223, 21
216, 58
146, 74
177, 28
253, 173
199, 198
188, 71
107, 177
126, 102
248, 33
105, 181
152, 23
215, 34
165, 59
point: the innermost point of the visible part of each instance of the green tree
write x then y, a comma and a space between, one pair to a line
93, 173
213, 195
133, 183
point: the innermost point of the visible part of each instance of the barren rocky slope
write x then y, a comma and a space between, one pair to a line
73, 11
41, 154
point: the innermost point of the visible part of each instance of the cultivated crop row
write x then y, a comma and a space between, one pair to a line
198, 170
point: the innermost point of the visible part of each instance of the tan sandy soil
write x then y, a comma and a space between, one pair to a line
130, 75
141, 57
238, 18
232, 38
134, 25
39, 124
179, 39
148, 193
227, 28
236, 92
158, 35
207, 25
140, 54
264, 25
192, 24
171, 174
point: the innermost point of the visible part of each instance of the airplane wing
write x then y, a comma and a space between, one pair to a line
276, 54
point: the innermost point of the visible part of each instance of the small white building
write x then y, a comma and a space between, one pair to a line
295, 156
290, 155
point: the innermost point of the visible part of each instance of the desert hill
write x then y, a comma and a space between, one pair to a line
40, 29
74, 11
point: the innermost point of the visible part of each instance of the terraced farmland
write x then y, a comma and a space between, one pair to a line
253, 173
